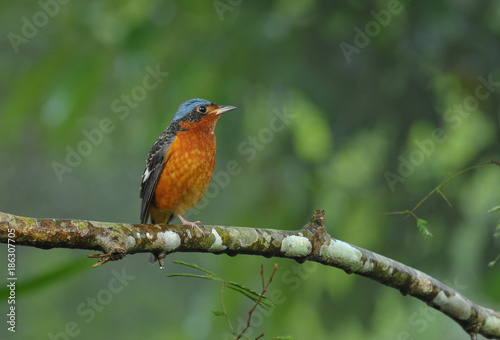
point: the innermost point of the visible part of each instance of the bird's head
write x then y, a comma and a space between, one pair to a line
199, 114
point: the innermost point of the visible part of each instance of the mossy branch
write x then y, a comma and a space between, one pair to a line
311, 243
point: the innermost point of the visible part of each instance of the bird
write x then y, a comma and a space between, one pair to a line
180, 165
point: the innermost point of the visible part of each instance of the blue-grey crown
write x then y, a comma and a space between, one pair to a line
188, 107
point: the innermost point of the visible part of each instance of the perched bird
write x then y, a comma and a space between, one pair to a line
180, 165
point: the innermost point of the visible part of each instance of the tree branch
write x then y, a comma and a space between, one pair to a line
311, 243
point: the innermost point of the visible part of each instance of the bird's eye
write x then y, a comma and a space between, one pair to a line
202, 109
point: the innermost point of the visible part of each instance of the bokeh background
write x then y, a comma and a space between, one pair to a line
333, 98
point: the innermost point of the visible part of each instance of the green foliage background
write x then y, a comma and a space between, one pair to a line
354, 120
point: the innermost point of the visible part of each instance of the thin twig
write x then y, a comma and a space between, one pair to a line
264, 290
445, 198
224, 308
438, 191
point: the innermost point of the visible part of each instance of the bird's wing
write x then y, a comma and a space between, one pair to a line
157, 158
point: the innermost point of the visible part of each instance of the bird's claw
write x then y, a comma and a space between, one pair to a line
195, 225
191, 224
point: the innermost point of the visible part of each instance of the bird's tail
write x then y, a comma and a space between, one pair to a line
152, 259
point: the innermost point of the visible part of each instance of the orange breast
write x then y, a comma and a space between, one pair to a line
187, 173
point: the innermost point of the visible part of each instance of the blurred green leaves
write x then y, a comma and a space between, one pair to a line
492, 210
312, 137
496, 234
353, 122
49, 277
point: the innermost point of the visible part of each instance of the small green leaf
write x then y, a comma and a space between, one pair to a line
492, 263
218, 313
422, 226
206, 277
252, 295
195, 266
494, 209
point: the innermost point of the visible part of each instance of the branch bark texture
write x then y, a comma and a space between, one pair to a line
311, 243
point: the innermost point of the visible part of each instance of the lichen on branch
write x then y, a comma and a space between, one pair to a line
310, 243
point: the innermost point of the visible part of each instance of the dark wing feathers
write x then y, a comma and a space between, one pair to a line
154, 167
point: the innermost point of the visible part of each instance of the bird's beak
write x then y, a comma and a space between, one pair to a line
223, 109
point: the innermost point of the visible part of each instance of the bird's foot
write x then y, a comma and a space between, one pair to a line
191, 224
